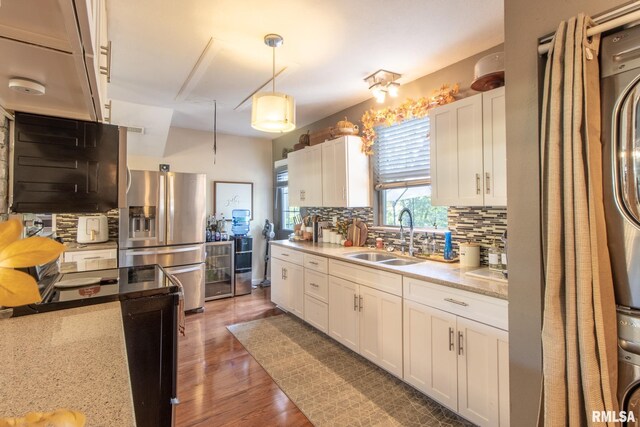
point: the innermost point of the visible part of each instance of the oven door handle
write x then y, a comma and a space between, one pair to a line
136, 252
183, 270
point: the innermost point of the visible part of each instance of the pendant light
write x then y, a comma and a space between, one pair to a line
273, 111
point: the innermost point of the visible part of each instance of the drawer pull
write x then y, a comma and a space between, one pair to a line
313, 263
285, 254
454, 301
314, 284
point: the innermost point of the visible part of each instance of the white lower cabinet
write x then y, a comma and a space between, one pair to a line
418, 331
287, 286
430, 358
316, 313
461, 363
368, 321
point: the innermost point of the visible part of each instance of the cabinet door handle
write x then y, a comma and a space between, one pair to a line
455, 301
285, 273
106, 51
107, 106
460, 341
355, 302
361, 305
477, 183
451, 343
487, 182
282, 269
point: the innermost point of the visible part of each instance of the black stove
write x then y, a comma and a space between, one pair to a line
105, 285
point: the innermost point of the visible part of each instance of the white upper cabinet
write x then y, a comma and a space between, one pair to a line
332, 174
305, 177
468, 151
345, 173
494, 148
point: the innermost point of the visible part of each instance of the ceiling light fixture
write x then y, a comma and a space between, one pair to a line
273, 111
383, 82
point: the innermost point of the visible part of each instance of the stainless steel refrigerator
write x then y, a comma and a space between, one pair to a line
164, 223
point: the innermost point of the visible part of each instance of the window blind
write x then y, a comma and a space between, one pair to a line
282, 176
401, 153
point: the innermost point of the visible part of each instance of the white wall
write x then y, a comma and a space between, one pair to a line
238, 159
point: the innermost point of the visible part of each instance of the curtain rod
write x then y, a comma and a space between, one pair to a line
628, 18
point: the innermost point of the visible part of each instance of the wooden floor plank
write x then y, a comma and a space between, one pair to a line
219, 383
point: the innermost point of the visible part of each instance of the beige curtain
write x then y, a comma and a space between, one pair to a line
579, 324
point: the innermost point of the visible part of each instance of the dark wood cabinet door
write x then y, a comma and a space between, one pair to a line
63, 165
150, 327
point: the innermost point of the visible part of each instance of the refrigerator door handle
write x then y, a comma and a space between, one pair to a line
171, 208
162, 213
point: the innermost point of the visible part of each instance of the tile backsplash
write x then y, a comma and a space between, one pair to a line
477, 224
67, 225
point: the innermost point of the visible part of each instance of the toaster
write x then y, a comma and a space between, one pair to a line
92, 229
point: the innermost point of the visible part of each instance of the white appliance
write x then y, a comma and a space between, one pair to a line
92, 229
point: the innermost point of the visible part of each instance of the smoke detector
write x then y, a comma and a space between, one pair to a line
30, 87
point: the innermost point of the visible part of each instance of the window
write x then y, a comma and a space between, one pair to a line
402, 174
287, 214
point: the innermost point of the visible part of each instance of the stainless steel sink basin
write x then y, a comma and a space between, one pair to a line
372, 256
400, 261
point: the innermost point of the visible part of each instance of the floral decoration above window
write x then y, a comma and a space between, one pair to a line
408, 110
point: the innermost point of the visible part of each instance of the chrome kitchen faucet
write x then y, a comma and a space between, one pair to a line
402, 244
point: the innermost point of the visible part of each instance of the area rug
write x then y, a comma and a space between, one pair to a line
332, 385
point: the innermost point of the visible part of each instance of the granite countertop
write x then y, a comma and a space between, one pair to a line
73, 359
75, 247
447, 274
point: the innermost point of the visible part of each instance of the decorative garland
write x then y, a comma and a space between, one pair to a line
410, 109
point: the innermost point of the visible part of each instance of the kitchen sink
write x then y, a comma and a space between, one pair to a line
384, 258
372, 256
400, 261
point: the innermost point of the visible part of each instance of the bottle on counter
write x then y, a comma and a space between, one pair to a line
495, 256
448, 246
379, 243
503, 259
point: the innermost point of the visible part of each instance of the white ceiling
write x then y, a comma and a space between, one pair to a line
329, 47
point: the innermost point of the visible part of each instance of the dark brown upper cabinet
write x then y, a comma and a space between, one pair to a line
63, 165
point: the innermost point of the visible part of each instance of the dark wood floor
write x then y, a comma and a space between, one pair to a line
219, 383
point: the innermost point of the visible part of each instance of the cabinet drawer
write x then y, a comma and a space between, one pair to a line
316, 263
316, 285
377, 279
481, 308
287, 254
316, 313
90, 255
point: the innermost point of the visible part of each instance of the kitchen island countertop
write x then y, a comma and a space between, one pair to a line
73, 359
445, 274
